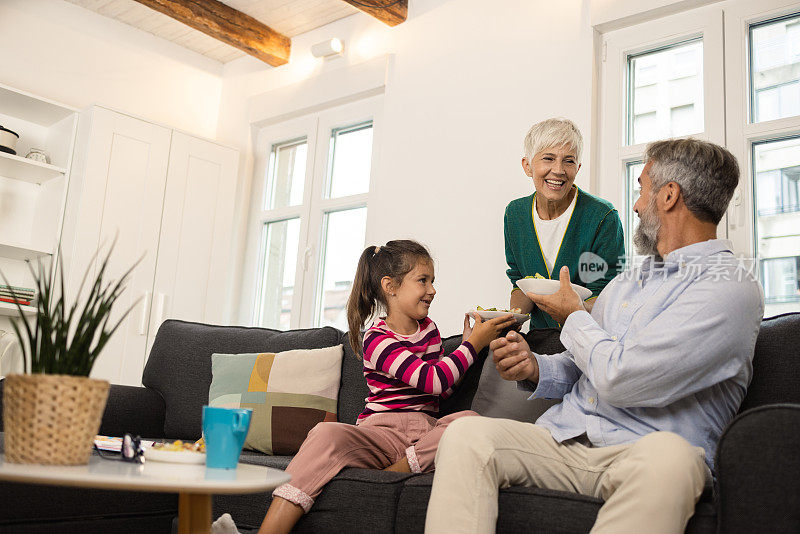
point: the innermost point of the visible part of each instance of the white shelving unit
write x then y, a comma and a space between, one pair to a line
32, 194
28, 170
8, 309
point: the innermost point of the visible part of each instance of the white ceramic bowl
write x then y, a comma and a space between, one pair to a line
545, 286
486, 315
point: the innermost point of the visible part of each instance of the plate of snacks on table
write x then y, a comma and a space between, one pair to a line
545, 286
178, 451
491, 313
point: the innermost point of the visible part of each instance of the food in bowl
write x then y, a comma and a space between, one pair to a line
491, 313
181, 446
512, 310
178, 451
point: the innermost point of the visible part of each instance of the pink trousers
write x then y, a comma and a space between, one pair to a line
374, 443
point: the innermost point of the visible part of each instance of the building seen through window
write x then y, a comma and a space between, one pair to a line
665, 96
776, 172
775, 69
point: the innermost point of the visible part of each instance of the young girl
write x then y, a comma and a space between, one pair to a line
407, 375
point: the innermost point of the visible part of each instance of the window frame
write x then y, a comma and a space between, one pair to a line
316, 128
614, 154
743, 134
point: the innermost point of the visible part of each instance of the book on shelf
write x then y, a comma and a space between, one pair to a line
22, 296
17, 288
17, 297
15, 301
15, 293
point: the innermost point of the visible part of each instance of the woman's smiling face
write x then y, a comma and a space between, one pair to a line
553, 171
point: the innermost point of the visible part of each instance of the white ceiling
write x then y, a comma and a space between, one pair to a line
289, 17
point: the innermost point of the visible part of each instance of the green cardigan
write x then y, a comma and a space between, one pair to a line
594, 226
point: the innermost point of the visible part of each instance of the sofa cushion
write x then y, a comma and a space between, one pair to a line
358, 501
775, 376
179, 364
258, 458
496, 397
289, 393
353, 391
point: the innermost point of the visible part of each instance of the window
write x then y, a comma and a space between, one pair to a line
728, 73
665, 92
279, 244
780, 279
776, 168
776, 191
309, 217
633, 170
659, 79
763, 132
775, 68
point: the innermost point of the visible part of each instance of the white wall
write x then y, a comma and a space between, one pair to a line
66, 53
466, 80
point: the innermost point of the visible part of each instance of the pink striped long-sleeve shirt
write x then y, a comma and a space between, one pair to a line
410, 373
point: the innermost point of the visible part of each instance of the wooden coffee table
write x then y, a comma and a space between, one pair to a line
195, 484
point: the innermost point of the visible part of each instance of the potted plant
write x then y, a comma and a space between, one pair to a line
52, 413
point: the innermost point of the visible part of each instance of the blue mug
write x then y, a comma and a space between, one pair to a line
224, 431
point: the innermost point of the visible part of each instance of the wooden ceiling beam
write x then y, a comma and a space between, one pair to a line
393, 14
228, 25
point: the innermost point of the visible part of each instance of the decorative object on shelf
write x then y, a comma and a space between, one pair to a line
8, 141
37, 155
52, 414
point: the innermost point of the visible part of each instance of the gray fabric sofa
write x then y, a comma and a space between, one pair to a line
758, 474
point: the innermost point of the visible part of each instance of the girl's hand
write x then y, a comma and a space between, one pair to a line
485, 331
467, 328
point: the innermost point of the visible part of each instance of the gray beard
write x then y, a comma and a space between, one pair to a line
645, 239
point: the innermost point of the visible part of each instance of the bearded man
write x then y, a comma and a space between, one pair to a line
648, 381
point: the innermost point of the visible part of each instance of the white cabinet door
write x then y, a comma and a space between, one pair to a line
120, 197
195, 244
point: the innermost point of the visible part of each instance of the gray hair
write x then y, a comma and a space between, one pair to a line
553, 133
706, 173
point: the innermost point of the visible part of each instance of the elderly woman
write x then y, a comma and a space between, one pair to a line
559, 223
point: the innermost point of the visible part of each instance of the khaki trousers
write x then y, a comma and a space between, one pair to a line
650, 486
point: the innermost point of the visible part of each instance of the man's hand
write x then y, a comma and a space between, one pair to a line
561, 303
513, 358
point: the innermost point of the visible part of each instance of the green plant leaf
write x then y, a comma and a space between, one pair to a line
68, 338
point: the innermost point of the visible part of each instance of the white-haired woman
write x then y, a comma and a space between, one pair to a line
559, 222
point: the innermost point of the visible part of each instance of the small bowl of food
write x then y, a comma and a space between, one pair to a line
491, 313
178, 451
545, 286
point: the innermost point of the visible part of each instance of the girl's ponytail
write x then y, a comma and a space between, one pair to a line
363, 298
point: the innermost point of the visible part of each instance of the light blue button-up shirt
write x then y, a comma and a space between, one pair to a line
668, 347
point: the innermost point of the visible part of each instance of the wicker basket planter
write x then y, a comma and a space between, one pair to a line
52, 419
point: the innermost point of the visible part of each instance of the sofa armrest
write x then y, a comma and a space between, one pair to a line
136, 410
758, 471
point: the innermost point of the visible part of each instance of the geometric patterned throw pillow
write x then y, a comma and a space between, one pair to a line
289, 392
